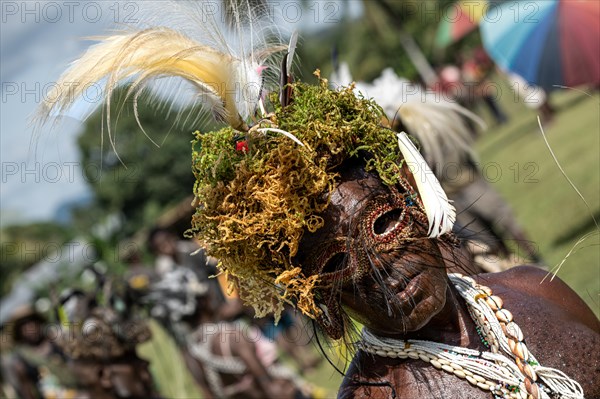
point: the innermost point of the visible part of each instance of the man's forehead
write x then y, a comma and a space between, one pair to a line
355, 191
353, 195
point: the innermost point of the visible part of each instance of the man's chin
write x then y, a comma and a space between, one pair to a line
417, 304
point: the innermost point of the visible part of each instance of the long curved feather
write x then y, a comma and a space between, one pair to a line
292, 50
159, 52
441, 214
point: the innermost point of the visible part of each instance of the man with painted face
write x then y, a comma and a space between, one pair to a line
403, 297
306, 199
350, 223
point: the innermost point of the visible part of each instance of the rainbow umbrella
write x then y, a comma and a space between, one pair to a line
459, 19
549, 43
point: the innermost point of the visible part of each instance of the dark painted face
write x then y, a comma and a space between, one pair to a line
30, 331
374, 258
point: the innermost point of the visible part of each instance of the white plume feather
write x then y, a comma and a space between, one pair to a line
292, 50
440, 212
158, 52
222, 67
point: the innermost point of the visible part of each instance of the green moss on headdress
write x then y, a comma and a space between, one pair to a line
257, 193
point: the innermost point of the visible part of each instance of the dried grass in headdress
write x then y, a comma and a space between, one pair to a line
255, 199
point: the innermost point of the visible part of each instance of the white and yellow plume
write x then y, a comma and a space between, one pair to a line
226, 84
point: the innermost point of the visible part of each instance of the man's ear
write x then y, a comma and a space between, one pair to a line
408, 175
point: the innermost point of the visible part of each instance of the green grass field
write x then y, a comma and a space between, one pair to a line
546, 205
515, 158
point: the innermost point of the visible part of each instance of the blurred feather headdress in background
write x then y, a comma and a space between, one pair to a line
436, 122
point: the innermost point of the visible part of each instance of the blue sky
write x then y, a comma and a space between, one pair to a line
38, 39
36, 46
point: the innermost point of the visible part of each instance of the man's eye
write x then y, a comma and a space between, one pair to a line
335, 263
388, 222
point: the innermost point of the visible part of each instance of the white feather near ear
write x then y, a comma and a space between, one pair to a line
441, 214
440, 128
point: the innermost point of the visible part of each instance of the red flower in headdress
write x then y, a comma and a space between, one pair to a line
242, 146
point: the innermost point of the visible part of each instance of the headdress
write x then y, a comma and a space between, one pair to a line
265, 180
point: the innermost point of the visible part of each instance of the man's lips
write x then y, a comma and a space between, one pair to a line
403, 292
412, 288
408, 282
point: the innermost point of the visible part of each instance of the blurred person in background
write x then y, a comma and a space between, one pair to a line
34, 367
171, 252
475, 72
100, 341
227, 356
534, 97
450, 82
167, 248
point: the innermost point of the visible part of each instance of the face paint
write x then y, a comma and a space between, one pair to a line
374, 258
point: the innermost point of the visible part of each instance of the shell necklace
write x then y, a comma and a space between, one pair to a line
508, 370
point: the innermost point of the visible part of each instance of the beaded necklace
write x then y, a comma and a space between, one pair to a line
508, 370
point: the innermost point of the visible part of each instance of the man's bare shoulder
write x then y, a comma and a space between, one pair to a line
531, 286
